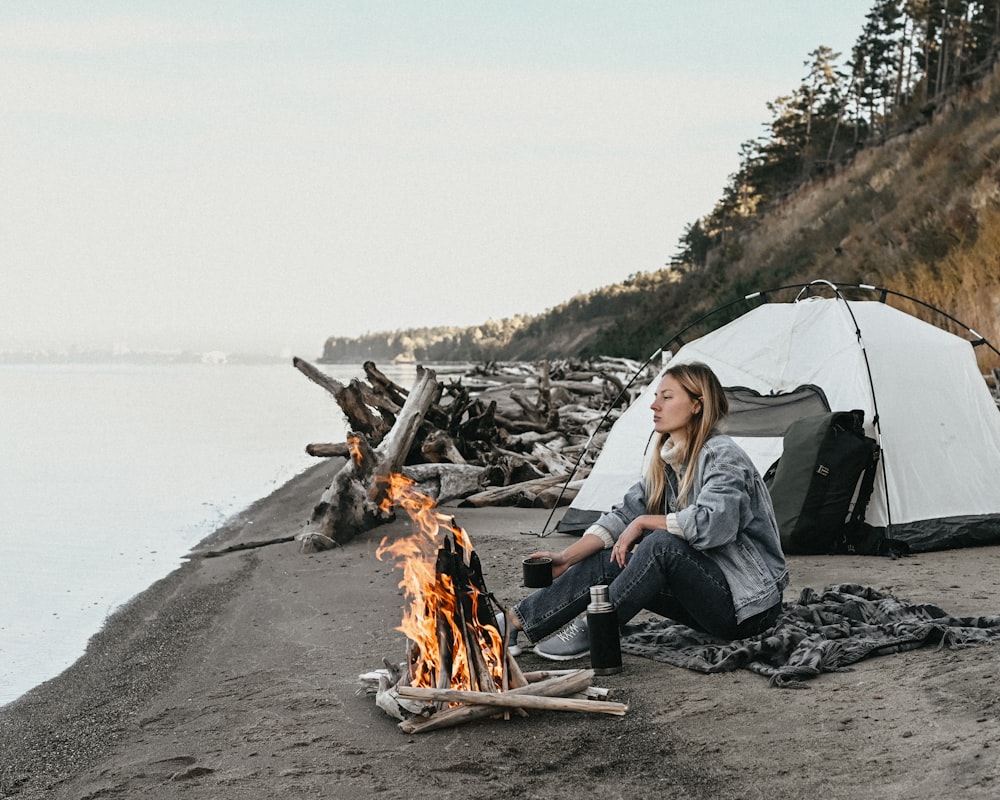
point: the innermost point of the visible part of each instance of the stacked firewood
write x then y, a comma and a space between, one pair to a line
421, 710
500, 434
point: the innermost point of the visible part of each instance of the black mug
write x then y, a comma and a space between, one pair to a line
537, 572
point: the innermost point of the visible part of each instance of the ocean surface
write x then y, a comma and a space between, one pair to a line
113, 472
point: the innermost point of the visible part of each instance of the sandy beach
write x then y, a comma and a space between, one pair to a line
237, 677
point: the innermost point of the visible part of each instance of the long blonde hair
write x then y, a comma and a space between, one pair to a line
701, 384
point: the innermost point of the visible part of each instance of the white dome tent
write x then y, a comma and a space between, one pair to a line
923, 397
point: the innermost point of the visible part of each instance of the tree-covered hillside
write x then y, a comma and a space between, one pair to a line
882, 168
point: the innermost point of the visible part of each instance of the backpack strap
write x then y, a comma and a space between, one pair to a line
866, 486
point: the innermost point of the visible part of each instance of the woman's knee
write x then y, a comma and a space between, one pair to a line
658, 543
675, 558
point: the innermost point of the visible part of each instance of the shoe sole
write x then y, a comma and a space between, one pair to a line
554, 657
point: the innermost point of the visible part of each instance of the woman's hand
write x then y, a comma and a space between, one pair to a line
629, 537
559, 561
585, 546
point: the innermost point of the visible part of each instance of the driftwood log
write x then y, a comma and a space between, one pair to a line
501, 434
559, 686
512, 699
351, 503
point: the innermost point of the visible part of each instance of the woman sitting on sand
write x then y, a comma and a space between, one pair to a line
696, 541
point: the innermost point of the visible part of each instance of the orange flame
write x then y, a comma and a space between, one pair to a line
354, 446
440, 628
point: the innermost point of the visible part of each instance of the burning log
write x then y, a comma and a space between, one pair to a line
458, 666
449, 619
461, 621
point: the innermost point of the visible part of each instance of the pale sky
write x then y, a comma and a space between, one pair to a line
257, 176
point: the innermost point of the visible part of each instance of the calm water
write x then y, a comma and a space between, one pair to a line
111, 473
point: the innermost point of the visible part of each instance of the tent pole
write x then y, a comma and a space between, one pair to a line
876, 422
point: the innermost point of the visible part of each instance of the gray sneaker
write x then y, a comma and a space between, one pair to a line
512, 646
571, 642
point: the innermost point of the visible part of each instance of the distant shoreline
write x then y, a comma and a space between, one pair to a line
138, 358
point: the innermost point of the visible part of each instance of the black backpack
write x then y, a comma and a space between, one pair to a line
821, 485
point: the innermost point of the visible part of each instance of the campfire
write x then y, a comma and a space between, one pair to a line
449, 617
457, 666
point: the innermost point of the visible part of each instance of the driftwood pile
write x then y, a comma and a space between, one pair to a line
500, 434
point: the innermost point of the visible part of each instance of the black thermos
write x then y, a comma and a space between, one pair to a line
602, 620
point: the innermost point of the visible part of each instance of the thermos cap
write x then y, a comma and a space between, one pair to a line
600, 599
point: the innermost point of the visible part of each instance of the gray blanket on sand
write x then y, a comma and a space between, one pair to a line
820, 632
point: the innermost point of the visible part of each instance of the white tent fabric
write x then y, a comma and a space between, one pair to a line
939, 428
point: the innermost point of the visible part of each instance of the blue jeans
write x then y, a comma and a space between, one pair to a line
662, 574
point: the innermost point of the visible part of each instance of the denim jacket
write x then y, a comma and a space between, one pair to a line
730, 519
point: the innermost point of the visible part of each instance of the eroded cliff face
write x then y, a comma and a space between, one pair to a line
918, 213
